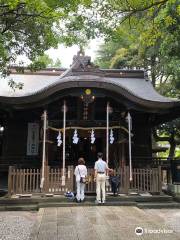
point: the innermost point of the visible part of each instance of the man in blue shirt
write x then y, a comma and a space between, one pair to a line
101, 169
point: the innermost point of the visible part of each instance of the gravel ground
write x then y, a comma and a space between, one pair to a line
16, 225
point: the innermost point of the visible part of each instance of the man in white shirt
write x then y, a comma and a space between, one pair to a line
101, 169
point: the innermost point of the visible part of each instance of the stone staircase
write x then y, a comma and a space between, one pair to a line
30, 203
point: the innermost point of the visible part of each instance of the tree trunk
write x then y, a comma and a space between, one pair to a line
153, 71
170, 139
172, 149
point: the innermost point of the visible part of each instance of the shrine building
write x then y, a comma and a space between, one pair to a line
61, 115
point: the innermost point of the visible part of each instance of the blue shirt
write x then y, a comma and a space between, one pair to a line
100, 165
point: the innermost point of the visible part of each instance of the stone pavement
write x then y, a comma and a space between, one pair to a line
93, 222
106, 223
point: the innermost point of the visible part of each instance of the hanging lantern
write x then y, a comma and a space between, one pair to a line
75, 137
92, 137
111, 137
59, 141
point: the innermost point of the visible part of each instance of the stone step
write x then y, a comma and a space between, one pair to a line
74, 204
35, 207
61, 198
15, 207
158, 205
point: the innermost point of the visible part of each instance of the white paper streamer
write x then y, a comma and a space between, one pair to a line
59, 141
92, 137
111, 137
75, 137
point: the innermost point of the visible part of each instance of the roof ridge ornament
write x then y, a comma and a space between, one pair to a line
81, 60
82, 63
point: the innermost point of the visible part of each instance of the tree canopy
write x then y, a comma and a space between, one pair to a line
30, 27
148, 36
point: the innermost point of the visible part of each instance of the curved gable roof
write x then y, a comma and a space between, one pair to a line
132, 84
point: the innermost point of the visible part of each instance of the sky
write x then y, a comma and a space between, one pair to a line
65, 54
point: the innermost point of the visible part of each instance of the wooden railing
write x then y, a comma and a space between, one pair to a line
144, 180
147, 180
53, 183
21, 181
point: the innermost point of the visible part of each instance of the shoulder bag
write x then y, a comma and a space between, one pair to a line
82, 179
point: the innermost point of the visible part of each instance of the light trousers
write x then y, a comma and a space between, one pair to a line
80, 191
100, 186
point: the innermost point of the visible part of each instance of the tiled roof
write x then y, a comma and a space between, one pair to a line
132, 84
32, 84
38, 87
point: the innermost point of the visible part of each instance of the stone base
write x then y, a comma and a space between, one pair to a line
174, 188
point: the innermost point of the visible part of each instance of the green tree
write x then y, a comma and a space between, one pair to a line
30, 27
57, 63
40, 62
153, 43
169, 132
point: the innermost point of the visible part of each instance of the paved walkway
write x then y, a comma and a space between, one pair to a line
86, 223
106, 223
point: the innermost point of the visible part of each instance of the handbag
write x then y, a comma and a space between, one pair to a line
82, 179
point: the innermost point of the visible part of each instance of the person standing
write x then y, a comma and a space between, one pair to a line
115, 182
101, 169
80, 171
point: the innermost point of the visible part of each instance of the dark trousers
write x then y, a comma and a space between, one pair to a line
114, 188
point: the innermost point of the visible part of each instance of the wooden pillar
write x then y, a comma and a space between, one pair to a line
71, 177
107, 133
46, 182
159, 179
47, 148
10, 181
123, 157
126, 180
44, 150
130, 153
169, 175
64, 143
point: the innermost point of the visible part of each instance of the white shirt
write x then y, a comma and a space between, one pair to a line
80, 171
100, 166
